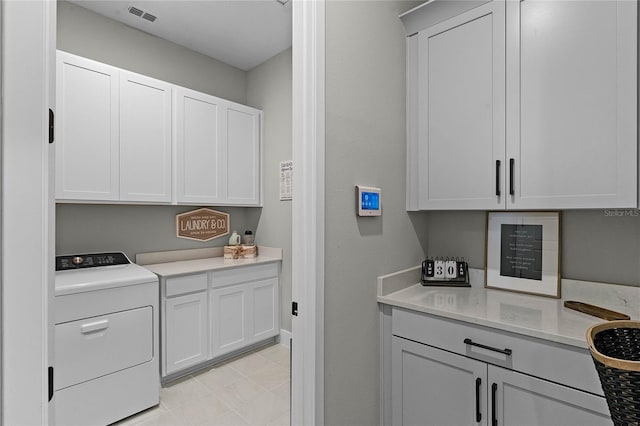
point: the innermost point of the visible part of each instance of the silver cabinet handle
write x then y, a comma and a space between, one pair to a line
92, 327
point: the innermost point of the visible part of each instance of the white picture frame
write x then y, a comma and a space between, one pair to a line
523, 252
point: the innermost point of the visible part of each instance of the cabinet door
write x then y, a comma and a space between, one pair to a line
460, 104
243, 155
145, 139
200, 151
264, 306
230, 321
434, 387
522, 400
571, 103
87, 129
186, 331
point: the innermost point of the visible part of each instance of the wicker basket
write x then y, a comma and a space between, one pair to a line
615, 348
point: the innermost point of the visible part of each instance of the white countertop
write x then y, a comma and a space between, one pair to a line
535, 316
183, 267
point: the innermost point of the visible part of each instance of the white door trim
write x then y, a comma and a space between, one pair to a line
28, 41
307, 384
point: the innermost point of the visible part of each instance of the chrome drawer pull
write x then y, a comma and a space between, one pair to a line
507, 352
92, 327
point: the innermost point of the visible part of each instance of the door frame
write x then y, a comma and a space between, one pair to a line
308, 227
28, 209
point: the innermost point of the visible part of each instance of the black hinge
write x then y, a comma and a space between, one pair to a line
51, 126
50, 383
294, 308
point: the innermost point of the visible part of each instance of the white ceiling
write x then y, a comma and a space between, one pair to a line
241, 33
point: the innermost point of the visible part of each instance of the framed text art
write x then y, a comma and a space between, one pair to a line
523, 252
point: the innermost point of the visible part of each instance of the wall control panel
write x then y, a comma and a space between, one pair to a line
368, 201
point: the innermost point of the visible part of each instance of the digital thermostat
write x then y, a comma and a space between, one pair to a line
369, 201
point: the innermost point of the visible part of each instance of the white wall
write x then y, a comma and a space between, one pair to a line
365, 144
269, 88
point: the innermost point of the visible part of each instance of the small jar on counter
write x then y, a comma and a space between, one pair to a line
249, 238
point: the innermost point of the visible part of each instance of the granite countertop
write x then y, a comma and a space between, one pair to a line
535, 316
169, 264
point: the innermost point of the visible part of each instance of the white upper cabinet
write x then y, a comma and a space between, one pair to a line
200, 152
87, 98
542, 116
571, 103
145, 139
128, 138
460, 109
217, 150
243, 155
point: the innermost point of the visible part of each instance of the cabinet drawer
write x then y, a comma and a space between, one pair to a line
243, 274
186, 284
552, 361
93, 347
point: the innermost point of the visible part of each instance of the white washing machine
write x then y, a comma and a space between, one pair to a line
106, 339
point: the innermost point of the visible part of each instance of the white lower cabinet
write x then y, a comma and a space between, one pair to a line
245, 309
479, 379
208, 315
186, 330
524, 400
228, 319
432, 386
264, 308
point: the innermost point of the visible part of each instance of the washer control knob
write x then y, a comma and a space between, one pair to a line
77, 260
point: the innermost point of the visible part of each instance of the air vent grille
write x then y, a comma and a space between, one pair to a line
135, 11
149, 17
142, 14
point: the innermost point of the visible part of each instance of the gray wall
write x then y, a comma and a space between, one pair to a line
138, 229
596, 245
93, 36
365, 137
269, 88
365, 144
86, 228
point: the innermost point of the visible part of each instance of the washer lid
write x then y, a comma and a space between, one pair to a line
91, 279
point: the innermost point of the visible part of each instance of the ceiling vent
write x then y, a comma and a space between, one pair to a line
135, 11
149, 17
141, 14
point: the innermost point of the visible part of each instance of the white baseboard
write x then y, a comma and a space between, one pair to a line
285, 338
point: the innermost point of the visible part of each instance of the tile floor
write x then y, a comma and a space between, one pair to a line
250, 390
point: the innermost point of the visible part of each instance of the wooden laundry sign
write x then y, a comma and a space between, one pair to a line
202, 224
